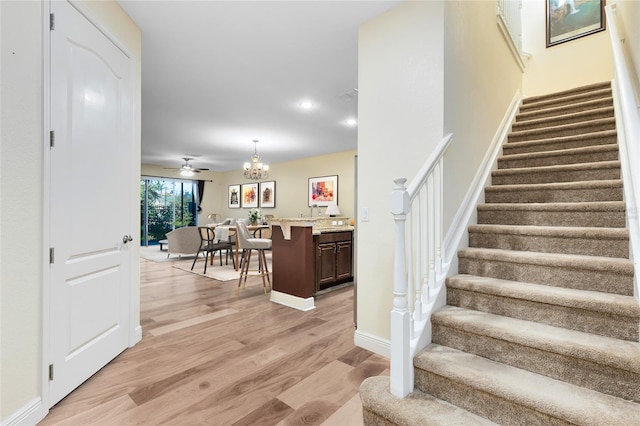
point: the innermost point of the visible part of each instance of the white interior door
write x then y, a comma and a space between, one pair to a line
91, 184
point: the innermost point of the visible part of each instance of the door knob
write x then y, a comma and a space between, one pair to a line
126, 239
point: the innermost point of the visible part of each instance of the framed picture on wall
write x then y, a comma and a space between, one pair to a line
571, 19
267, 194
249, 195
233, 196
323, 190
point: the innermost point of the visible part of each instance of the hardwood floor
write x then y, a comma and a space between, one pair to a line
213, 356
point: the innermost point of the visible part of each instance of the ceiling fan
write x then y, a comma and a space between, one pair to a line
187, 169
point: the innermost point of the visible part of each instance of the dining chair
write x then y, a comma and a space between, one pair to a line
247, 244
209, 246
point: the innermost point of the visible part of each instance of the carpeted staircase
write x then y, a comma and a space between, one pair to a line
541, 326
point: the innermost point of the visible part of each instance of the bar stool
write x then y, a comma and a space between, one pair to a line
248, 244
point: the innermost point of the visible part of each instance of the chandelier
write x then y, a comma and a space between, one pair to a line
256, 170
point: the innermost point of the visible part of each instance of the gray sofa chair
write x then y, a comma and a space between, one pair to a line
184, 240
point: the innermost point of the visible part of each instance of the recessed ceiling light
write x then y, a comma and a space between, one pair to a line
306, 105
351, 122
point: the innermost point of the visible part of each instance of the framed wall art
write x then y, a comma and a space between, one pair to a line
323, 190
267, 194
249, 195
571, 19
233, 197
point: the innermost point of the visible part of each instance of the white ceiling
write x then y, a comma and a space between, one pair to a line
218, 74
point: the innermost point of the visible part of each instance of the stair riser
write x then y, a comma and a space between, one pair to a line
480, 402
556, 176
548, 244
604, 324
553, 101
554, 195
553, 145
557, 160
569, 109
599, 219
572, 118
580, 372
555, 132
579, 279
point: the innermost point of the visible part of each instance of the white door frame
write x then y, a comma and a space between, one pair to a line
135, 330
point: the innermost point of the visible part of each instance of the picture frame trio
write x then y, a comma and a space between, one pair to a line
252, 195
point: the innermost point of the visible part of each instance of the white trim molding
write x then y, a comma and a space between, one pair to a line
32, 413
372, 343
294, 302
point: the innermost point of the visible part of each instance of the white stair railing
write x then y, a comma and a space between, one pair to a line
418, 275
510, 13
628, 119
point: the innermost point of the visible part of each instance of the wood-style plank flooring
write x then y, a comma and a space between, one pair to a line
213, 356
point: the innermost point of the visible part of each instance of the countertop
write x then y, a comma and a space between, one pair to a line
320, 225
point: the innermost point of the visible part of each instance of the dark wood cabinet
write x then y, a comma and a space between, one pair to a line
334, 259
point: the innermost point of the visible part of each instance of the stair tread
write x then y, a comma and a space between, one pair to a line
561, 152
602, 350
605, 112
553, 231
551, 129
560, 139
593, 263
561, 167
582, 299
416, 408
611, 206
554, 397
524, 116
571, 94
582, 184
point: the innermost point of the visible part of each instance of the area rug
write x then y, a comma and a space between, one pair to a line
225, 272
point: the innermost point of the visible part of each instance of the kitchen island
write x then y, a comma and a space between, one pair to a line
309, 255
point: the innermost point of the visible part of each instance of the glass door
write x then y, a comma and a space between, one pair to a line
166, 204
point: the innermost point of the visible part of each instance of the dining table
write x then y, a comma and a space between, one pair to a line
229, 230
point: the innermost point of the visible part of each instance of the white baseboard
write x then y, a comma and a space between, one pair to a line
294, 302
29, 415
372, 343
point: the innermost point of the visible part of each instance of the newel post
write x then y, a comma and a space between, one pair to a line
400, 365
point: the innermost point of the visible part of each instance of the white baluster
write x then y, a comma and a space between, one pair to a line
438, 177
416, 245
431, 215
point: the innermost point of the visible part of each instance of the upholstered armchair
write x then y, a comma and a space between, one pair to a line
184, 240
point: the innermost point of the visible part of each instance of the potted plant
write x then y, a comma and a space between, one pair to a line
254, 216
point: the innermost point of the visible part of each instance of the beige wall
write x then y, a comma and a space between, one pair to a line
481, 79
291, 179
563, 66
400, 120
413, 60
21, 189
21, 197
